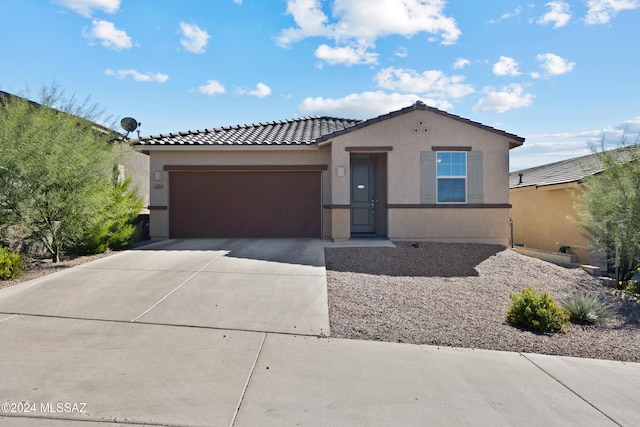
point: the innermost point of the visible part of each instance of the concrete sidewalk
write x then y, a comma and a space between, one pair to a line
212, 333
125, 373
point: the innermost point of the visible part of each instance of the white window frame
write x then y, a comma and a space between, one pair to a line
465, 177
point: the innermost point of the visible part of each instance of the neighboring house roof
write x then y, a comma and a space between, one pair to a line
303, 131
565, 171
117, 136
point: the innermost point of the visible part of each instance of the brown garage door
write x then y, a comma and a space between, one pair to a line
245, 204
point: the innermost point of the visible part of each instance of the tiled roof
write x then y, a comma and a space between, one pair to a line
303, 131
565, 171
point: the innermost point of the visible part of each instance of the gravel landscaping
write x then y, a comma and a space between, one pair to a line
38, 266
458, 295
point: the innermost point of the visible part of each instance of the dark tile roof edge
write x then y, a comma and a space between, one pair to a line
140, 141
419, 105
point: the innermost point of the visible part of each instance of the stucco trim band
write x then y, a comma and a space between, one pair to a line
450, 206
337, 206
449, 148
368, 149
245, 168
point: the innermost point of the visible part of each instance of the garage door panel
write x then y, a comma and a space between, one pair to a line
245, 204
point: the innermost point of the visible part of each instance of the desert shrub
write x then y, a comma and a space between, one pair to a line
11, 264
585, 308
633, 287
537, 311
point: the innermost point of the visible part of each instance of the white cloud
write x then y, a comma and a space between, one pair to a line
508, 98
346, 55
237, 1
261, 91
559, 14
194, 38
364, 105
212, 87
601, 11
556, 146
86, 7
460, 63
356, 24
109, 36
506, 67
401, 52
431, 83
356, 19
517, 11
631, 127
138, 76
553, 64
310, 19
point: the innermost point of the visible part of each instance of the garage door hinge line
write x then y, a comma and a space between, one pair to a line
246, 385
177, 287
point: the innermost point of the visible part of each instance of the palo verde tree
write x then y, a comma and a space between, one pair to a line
609, 209
57, 184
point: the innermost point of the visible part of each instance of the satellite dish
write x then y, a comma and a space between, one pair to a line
129, 124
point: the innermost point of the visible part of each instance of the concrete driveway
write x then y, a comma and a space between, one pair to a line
220, 333
266, 285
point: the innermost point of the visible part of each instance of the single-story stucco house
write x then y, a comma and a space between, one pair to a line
543, 210
418, 173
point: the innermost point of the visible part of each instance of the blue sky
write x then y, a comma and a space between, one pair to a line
560, 73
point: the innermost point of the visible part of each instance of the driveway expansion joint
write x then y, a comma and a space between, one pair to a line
96, 422
172, 325
176, 288
246, 385
14, 315
572, 390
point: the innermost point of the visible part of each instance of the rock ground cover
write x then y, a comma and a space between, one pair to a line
458, 295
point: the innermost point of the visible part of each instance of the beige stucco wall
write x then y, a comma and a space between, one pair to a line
404, 160
406, 134
223, 156
450, 225
540, 219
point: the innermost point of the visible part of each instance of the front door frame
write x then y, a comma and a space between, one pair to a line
378, 198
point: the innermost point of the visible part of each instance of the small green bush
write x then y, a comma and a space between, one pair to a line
633, 287
585, 308
11, 264
537, 311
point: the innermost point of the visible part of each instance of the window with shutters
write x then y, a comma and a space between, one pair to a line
451, 173
451, 177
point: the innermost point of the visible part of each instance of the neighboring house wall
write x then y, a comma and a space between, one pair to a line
542, 219
136, 166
